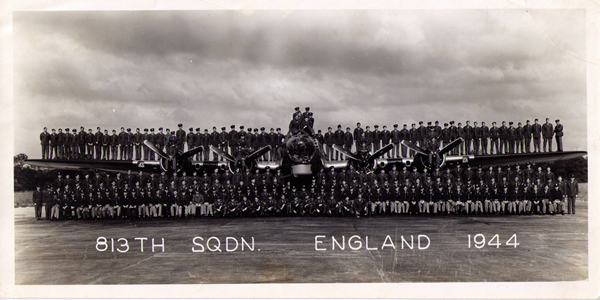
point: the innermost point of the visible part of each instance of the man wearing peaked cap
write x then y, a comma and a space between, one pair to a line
527, 132
224, 141
376, 138
297, 112
150, 137
138, 140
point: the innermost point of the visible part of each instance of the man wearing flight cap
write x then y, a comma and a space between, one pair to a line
558, 133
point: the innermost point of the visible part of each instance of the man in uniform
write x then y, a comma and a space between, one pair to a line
572, 191
215, 141
547, 133
358, 131
137, 142
122, 144
89, 144
114, 145
376, 136
511, 137
520, 139
98, 142
485, 135
53, 144
536, 133
45, 141
190, 139
339, 141
206, 141
527, 131
151, 137
224, 140
130, 142
476, 138
414, 137
233, 138
461, 133
404, 136
494, 139
468, 137
385, 139
180, 138
82, 143
329, 140
503, 133
395, 137
60, 143
558, 133
272, 141
348, 140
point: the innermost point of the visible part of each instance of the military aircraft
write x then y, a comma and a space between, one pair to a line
302, 156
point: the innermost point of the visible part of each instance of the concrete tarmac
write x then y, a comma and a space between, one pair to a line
302, 250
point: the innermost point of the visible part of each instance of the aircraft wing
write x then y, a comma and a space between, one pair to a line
507, 159
101, 165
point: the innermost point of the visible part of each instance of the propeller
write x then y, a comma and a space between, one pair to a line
380, 152
451, 146
414, 147
155, 149
223, 154
191, 152
346, 153
237, 161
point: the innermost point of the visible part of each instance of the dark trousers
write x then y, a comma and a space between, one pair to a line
484, 146
528, 144
45, 152
549, 142
571, 204
536, 144
559, 146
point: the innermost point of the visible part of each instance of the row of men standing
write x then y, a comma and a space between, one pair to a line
128, 145
501, 140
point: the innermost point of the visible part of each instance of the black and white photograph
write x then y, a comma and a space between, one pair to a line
375, 150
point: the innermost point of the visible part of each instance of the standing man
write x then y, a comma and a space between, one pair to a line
137, 141
485, 135
527, 131
123, 144
404, 135
395, 137
215, 141
357, 134
151, 137
190, 139
115, 141
98, 141
536, 133
503, 133
468, 137
414, 137
476, 138
339, 141
494, 136
376, 135
60, 144
558, 132
272, 141
53, 144
348, 140
130, 141
82, 143
547, 133
159, 139
206, 141
520, 146
329, 140
511, 135
572, 191
233, 138
45, 141
106, 141
385, 138
90, 141
180, 138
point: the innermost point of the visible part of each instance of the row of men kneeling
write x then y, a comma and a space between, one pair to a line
443, 201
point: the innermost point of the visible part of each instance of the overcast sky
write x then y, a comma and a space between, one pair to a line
218, 68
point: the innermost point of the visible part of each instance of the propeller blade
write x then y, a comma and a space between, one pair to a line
450, 146
191, 153
258, 153
222, 154
413, 147
380, 152
346, 152
156, 150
